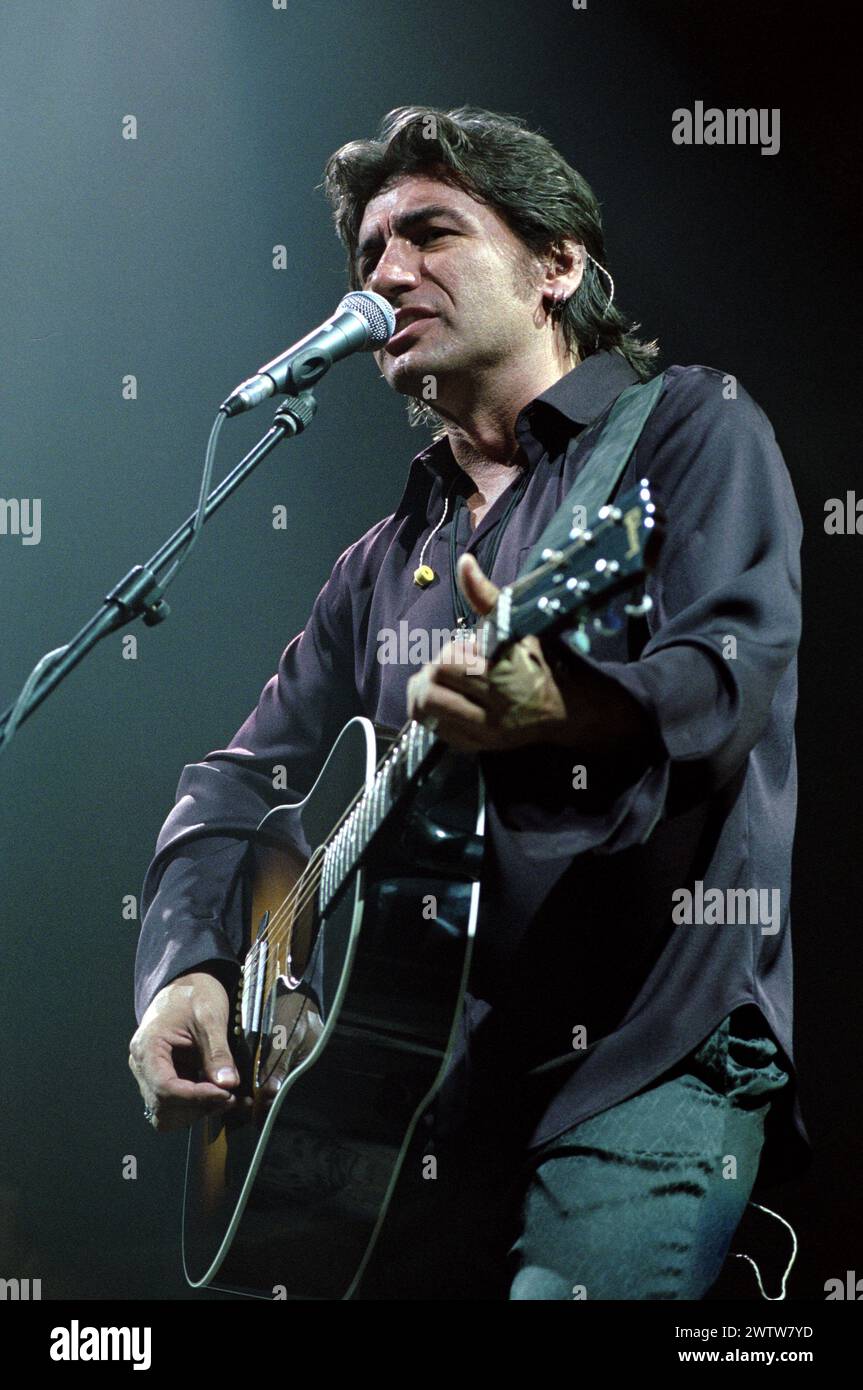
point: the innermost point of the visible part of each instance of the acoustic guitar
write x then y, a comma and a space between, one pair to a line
363, 911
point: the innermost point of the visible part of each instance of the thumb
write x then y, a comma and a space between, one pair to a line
479, 591
217, 1062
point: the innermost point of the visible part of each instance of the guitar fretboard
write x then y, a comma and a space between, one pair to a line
410, 751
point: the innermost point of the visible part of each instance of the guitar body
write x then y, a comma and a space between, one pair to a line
290, 1201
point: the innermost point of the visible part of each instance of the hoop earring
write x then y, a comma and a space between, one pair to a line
558, 304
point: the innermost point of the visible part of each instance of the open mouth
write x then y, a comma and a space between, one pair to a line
413, 326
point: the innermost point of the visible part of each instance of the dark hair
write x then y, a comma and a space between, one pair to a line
501, 162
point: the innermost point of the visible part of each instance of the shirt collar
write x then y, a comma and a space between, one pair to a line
576, 398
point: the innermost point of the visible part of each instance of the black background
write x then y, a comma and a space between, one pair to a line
153, 257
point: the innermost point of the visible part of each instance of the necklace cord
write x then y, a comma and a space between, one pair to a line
463, 615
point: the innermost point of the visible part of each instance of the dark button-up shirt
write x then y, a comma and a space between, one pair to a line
588, 980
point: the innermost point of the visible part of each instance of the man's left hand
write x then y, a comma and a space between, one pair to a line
474, 705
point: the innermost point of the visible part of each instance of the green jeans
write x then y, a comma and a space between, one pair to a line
638, 1202
642, 1201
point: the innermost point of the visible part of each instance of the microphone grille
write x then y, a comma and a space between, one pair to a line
377, 312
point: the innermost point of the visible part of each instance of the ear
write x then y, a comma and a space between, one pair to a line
564, 267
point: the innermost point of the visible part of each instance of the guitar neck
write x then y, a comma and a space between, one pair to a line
412, 754
595, 565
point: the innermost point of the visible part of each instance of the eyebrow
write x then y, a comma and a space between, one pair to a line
407, 221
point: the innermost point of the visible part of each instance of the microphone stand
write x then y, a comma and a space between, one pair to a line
140, 593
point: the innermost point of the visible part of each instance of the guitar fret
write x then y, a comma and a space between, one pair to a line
412, 747
342, 854
396, 781
383, 804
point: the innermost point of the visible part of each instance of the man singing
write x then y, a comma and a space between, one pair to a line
626, 1071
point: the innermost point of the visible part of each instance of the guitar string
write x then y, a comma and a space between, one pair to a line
307, 884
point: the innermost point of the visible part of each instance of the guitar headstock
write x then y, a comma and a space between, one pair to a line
601, 561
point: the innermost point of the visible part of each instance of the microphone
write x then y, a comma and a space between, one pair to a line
362, 322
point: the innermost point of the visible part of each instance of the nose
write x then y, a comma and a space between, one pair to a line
396, 269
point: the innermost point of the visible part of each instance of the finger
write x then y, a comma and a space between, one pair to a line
451, 696
169, 1115
186, 1103
479, 591
462, 654
197, 1093
464, 682
416, 690
461, 651
183, 1102
158, 1076
210, 1032
459, 721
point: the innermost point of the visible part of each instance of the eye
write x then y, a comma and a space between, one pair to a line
367, 264
431, 231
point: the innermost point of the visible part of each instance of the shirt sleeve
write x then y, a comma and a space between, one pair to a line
725, 625
193, 895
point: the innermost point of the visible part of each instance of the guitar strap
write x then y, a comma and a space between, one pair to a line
611, 452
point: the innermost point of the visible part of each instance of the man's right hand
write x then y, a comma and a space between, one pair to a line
180, 1056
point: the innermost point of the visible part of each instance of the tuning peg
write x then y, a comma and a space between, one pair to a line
612, 628
638, 610
580, 639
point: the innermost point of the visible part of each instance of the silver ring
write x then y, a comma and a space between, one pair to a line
149, 1114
